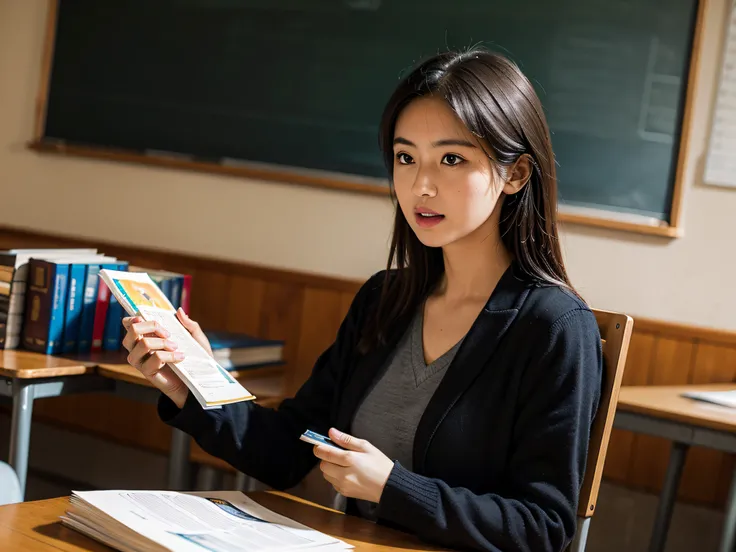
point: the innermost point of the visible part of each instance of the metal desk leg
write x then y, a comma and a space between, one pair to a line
729, 523
20, 430
668, 497
178, 461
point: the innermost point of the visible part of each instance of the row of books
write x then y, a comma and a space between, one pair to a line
52, 300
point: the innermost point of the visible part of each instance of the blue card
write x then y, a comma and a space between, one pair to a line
315, 438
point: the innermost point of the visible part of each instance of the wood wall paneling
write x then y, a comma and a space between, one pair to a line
638, 363
209, 299
321, 317
671, 364
245, 304
281, 319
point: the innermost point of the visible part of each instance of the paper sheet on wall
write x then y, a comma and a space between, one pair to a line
720, 166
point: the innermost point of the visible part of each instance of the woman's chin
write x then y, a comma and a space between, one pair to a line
431, 239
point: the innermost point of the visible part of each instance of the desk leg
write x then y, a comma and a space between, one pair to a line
20, 430
178, 461
668, 497
729, 523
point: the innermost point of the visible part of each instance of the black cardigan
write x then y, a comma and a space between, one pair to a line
500, 451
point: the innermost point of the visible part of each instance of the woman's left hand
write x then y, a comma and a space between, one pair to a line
359, 472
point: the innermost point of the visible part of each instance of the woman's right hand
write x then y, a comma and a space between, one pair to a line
150, 351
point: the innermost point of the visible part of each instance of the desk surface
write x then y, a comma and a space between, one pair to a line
266, 381
125, 372
666, 402
35, 527
30, 365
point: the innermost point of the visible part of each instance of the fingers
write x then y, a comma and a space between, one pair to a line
146, 346
155, 361
129, 320
189, 324
147, 349
348, 441
333, 456
137, 330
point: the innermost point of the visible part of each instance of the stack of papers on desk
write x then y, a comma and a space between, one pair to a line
723, 398
226, 521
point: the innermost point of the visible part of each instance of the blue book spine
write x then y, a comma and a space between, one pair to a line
176, 286
89, 303
74, 304
166, 286
58, 306
112, 340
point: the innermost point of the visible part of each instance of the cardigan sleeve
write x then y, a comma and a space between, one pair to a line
536, 509
262, 442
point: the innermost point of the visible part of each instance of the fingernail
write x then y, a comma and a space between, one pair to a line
178, 356
170, 344
338, 434
167, 333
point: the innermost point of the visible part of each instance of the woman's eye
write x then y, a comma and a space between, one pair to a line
404, 158
452, 159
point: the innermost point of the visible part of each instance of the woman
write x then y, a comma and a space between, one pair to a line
463, 382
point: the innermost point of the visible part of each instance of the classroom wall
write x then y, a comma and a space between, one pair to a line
687, 280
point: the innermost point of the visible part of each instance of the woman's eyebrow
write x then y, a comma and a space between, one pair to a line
438, 143
453, 142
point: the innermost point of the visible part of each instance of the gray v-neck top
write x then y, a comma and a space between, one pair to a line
391, 410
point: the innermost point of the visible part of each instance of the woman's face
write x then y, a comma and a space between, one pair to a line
446, 185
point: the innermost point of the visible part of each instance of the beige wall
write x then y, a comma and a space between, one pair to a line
689, 280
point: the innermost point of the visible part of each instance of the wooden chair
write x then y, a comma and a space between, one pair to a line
615, 330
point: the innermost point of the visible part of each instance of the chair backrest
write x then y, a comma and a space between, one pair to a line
9, 485
615, 330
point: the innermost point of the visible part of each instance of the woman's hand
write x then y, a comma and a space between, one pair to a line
150, 351
195, 330
360, 472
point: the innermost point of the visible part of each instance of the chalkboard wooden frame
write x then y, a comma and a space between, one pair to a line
600, 218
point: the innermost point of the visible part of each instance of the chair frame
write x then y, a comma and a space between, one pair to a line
615, 329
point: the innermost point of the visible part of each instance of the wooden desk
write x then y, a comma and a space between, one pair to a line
28, 376
34, 527
663, 412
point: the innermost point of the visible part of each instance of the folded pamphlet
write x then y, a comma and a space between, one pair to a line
209, 382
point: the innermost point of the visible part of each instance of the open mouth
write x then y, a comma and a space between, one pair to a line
427, 219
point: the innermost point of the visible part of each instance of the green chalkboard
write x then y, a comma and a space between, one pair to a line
301, 83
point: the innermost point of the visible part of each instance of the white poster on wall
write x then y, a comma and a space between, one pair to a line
720, 166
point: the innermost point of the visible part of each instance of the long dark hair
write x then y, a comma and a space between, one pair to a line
497, 103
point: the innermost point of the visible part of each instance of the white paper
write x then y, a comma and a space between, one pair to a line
723, 398
226, 521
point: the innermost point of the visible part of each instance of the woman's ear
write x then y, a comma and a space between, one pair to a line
519, 175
